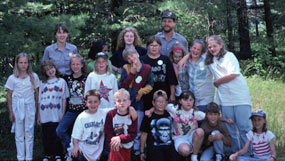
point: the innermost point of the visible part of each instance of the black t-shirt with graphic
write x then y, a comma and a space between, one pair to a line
163, 76
159, 129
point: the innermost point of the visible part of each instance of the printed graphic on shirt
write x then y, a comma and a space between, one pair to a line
104, 91
184, 125
51, 93
161, 131
159, 72
94, 138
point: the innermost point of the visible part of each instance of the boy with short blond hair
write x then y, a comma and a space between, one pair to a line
136, 77
120, 128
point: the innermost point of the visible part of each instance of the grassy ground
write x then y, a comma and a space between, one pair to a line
268, 95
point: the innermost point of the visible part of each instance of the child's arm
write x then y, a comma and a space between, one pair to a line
9, 101
272, 148
38, 115
172, 94
229, 121
37, 100
142, 145
133, 113
147, 88
75, 148
149, 112
219, 136
225, 79
183, 61
126, 78
241, 152
108, 128
63, 109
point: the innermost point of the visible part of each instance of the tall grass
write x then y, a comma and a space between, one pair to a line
269, 95
266, 94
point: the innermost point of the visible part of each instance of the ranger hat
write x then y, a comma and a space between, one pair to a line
168, 14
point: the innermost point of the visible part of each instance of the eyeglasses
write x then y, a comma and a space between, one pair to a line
154, 46
160, 102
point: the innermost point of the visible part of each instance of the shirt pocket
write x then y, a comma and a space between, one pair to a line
201, 74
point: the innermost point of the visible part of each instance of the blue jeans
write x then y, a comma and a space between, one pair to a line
242, 124
217, 148
245, 158
62, 129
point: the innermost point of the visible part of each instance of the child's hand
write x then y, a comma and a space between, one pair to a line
60, 118
171, 99
148, 113
38, 121
12, 117
195, 108
133, 113
229, 121
234, 156
133, 68
75, 151
115, 143
138, 97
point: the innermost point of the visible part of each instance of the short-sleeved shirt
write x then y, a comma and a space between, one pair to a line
61, 58
118, 60
51, 94
106, 84
89, 130
198, 79
22, 88
236, 91
166, 45
159, 130
261, 143
208, 129
184, 121
76, 102
163, 76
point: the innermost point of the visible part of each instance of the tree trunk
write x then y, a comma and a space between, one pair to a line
229, 26
269, 27
243, 30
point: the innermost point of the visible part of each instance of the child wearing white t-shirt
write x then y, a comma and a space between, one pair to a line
22, 88
232, 90
52, 103
262, 140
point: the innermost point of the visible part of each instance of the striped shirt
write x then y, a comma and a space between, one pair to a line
261, 143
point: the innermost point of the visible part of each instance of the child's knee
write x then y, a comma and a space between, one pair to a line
199, 132
184, 149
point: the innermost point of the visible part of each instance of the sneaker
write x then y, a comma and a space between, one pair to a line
57, 158
219, 157
68, 158
47, 158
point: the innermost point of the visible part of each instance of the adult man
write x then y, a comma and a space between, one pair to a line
168, 37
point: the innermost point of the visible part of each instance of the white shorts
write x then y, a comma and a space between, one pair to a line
183, 139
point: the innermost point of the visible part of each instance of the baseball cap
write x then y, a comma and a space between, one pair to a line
168, 14
159, 93
101, 54
258, 112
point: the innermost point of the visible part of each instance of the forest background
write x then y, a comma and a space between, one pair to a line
253, 29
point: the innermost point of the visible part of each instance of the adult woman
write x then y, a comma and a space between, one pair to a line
196, 76
128, 37
163, 73
60, 52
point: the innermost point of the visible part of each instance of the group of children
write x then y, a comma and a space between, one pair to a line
110, 121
